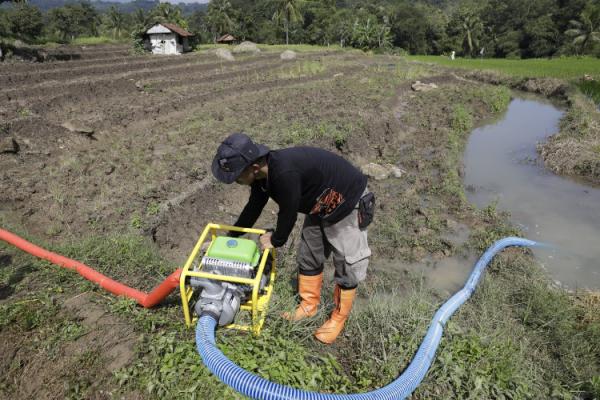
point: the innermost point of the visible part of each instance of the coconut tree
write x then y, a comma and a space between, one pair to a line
287, 11
219, 17
115, 21
471, 28
142, 20
343, 25
166, 12
587, 30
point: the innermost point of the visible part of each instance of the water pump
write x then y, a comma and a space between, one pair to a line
225, 275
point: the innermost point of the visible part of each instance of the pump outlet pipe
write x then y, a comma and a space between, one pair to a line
258, 388
147, 300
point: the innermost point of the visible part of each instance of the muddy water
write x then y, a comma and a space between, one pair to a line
501, 165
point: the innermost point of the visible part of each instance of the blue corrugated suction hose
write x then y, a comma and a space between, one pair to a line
259, 388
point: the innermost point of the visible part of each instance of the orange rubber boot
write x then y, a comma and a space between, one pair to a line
309, 289
333, 326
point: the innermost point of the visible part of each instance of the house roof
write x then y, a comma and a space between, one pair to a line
226, 38
177, 29
171, 27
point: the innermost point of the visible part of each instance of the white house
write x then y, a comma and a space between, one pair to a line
168, 39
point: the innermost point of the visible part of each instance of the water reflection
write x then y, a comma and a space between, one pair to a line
501, 165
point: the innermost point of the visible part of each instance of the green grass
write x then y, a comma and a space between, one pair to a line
299, 48
574, 150
91, 40
591, 89
306, 68
301, 134
513, 337
563, 68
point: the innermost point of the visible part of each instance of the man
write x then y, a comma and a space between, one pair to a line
321, 185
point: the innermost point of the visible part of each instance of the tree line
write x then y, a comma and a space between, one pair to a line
485, 28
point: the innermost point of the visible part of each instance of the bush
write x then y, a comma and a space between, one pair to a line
26, 21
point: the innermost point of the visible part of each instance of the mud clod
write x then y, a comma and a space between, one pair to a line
73, 126
8, 145
419, 86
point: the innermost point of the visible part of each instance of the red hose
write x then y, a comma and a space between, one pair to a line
146, 300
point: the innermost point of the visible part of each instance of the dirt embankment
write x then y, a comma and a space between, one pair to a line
575, 151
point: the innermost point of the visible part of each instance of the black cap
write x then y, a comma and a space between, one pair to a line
233, 155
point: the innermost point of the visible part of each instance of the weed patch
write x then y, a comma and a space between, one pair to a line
475, 367
298, 133
93, 40
158, 372
574, 150
28, 313
462, 120
306, 68
496, 98
591, 89
495, 226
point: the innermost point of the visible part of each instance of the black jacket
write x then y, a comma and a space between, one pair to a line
306, 180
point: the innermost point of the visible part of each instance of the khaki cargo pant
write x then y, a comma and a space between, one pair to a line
344, 239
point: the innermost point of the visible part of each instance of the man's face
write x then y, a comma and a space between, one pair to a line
247, 176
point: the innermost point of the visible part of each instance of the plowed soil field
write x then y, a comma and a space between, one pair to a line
109, 141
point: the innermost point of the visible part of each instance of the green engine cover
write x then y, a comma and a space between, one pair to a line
234, 249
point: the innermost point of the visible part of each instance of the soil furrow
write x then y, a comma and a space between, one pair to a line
128, 91
137, 71
127, 112
96, 48
60, 70
16, 68
51, 90
130, 129
70, 66
48, 147
90, 55
32, 77
166, 115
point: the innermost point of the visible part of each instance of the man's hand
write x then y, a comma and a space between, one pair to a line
265, 241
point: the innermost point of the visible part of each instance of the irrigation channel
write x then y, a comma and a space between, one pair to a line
502, 167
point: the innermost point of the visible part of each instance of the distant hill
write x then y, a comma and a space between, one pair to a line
125, 6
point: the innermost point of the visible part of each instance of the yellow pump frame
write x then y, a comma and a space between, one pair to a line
258, 303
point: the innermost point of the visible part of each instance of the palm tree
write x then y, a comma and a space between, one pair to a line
343, 25
587, 30
219, 17
471, 26
166, 12
142, 20
289, 12
115, 21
